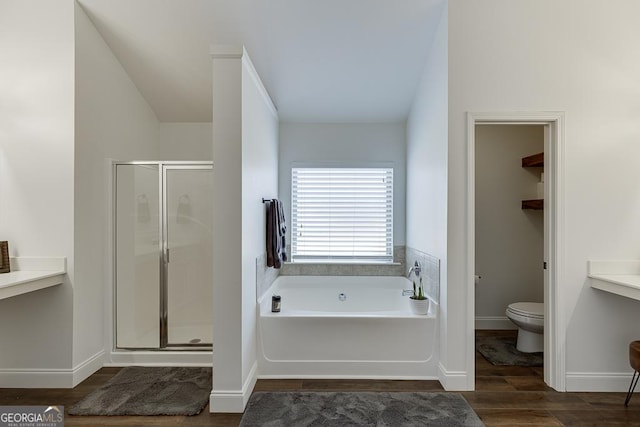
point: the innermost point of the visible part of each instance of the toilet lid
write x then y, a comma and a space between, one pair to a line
528, 309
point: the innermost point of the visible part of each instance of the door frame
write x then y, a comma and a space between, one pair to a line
554, 319
110, 288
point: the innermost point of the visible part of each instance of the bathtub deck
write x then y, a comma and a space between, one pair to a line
504, 396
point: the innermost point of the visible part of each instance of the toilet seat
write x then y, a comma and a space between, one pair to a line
529, 318
534, 310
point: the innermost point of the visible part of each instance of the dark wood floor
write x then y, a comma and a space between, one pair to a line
504, 396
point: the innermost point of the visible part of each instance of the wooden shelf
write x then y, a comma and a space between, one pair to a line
535, 160
535, 204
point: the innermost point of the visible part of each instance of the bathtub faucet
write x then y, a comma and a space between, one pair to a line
416, 269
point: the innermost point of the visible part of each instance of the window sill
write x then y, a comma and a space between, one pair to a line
343, 268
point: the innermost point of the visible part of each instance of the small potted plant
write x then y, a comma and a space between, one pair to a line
419, 301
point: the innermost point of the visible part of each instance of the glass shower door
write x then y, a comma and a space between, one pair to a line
188, 292
137, 259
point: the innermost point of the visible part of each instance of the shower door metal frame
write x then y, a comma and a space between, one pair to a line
163, 251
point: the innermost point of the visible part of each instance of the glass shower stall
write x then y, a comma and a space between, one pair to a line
163, 255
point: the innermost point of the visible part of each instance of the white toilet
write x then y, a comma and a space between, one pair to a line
529, 318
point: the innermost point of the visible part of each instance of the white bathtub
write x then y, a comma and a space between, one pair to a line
371, 333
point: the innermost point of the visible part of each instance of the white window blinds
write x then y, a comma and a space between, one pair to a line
342, 214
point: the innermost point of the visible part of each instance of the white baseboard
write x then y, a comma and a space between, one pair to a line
51, 378
598, 381
494, 322
36, 378
234, 401
85, 369
346, 377
454, 380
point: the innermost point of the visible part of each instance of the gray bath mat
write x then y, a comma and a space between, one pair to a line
502, 351
140, 390
328, 409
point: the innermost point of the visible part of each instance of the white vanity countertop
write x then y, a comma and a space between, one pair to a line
617, 277
31, 274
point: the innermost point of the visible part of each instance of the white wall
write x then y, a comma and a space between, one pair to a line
36, 183
113, 121
509, 240
259, 179
345, 144
245, 159
426, 227
185, 141
499, 60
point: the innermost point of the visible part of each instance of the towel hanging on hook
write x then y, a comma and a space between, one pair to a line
276, 232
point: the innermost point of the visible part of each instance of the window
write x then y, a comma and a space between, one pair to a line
342, 214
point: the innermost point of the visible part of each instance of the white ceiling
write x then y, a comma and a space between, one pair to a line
321, 61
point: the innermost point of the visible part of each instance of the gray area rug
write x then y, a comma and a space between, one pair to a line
327, 409
502, 351
137, 390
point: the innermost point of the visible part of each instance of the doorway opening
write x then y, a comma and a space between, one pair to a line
539, 215
509, 249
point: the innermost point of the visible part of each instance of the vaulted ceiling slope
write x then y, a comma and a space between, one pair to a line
321, 61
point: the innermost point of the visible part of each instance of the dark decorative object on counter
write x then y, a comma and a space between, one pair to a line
4, 257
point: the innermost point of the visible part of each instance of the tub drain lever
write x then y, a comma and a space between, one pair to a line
342, 297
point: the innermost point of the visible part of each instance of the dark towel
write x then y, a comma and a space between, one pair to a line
282, 235
276, 234
271, 230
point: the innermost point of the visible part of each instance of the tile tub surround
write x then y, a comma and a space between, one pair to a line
403, 257
265, 276
430, 271
398, 268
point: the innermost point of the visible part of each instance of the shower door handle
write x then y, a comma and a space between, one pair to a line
167, 257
